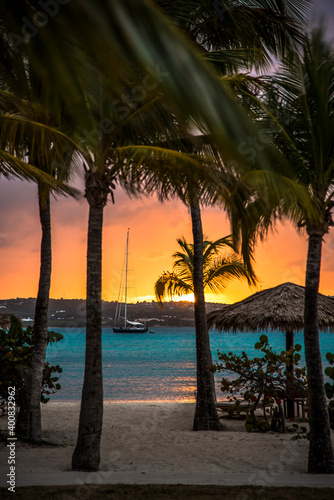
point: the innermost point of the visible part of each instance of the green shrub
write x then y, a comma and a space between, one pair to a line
15, 353
266, 379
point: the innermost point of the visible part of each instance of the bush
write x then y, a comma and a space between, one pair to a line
15, 353
268, 378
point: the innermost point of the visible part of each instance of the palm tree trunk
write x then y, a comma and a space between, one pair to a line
320, 458
86, 455
29, 424
206, 417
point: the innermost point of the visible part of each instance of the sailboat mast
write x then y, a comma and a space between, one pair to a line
126, 277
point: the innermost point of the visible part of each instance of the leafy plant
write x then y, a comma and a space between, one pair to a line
300, 431
255, 424
266, 379
15, 352
329, 388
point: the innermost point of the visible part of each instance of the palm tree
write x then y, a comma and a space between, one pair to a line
29, 424
31, 134
300, 114
121, 156
309, 82
218, 270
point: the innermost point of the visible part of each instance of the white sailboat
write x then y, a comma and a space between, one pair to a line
128, 326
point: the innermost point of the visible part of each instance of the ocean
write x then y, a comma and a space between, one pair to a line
154, 367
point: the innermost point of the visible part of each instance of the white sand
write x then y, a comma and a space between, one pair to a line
154, 443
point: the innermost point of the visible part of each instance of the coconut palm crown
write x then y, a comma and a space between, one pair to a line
218, 270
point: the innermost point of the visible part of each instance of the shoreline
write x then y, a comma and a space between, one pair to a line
154, 443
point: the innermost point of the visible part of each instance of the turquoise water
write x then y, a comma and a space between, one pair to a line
159, 366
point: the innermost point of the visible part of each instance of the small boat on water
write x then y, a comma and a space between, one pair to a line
122, 324
130, 329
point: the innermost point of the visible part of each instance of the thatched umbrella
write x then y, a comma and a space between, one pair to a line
4, 321
280, 308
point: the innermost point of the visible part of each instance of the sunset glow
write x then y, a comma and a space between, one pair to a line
154, 228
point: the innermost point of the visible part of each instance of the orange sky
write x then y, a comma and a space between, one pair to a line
154, 229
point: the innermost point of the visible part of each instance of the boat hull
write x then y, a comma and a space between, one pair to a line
144, 329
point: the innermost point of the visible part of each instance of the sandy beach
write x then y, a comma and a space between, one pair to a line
154, 443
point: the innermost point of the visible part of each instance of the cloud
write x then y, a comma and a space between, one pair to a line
324, 10
19, 219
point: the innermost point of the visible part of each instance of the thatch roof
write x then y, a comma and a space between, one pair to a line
4, 321
280, 308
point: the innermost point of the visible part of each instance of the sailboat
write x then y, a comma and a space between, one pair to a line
128, 326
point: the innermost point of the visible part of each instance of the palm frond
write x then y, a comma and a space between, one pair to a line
302, 102
223, 270
211, 248
11, 166
218, 269
183, 264
259, 199
270, 26
46, 147
170, 285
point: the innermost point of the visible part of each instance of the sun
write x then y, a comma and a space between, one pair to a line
184, 298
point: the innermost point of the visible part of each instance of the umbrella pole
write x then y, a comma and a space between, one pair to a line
290, 406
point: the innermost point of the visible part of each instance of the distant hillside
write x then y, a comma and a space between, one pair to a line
71, 312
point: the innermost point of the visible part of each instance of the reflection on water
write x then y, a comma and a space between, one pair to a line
152, 368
